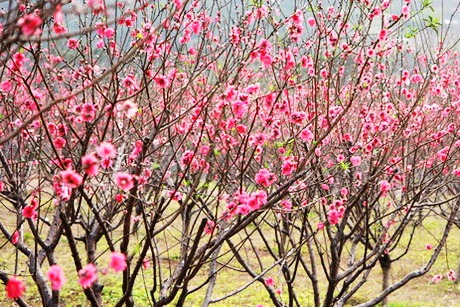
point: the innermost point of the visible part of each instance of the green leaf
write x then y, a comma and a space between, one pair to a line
344, 166
432, 22
155, 165
256, 3
426, 3
136, 249
411, 33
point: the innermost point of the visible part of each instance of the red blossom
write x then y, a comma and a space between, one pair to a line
15, 237
15, 288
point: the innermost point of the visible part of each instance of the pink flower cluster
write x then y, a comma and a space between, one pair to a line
451, 276
336, 210
30, 211
88, 274
244, 203
265, 178
71, 178
30, 24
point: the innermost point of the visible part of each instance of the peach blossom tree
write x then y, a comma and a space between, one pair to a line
170, 141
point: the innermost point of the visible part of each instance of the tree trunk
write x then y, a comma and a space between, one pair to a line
385, 264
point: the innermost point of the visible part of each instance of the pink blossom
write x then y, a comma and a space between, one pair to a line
187, 158
340, 158
88, 275
15, 237
118, 262
241, 129
288, 167
100, 44
429, 246
72, 43
385, 186
257, 200
124, 181
210, 226
30, 212
96, 5
106, 150
383, 34
119, 198
56, 277
129, 108
90, 164
355, 160
145, 263
405, 11
311, 21
88, 112
30, 24
7, 86
15, 288
416, 78
58, 16
71, 178
333, 217
451, 275
370, 52
58, 28
130, 83
161, 81
265, 178
306, 135
204, 150
239, 108
178, 3
59, 142
436, 279
286, 204
175, 195
106, 163
269, 282
243, 209
258, 139
320, 226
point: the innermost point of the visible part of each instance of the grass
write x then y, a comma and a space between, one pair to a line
419, 292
